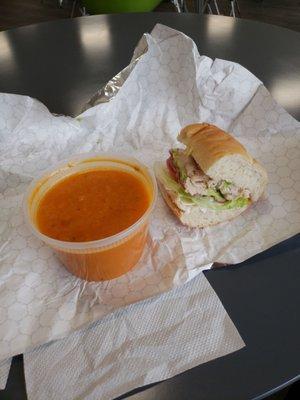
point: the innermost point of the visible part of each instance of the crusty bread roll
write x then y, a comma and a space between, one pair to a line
220, 156
196, 217
225, 183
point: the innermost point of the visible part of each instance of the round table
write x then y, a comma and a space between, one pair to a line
63, 63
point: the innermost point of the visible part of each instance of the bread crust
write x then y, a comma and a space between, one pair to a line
208, 144
169, 201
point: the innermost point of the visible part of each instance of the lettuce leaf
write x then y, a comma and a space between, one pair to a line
208, 202
202, 201
215, 194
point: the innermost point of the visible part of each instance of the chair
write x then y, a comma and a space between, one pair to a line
207, 5
212, 5
180, 5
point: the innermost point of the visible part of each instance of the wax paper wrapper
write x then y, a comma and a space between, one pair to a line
4, 371
180, 329
170, 86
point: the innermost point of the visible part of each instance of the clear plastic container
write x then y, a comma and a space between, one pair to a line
102, 259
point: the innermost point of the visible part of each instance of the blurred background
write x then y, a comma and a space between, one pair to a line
14, 13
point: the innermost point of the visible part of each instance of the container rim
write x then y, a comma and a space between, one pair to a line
77, 159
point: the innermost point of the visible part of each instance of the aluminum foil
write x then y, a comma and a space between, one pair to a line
111, 88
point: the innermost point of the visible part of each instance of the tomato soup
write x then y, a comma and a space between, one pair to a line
92, 205
94, 212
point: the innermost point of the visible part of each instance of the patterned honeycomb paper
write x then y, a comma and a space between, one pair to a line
169, 87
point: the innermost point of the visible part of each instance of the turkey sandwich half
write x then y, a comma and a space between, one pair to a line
212, 180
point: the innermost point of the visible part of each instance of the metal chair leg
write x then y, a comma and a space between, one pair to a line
73, 8
83, 11
200, 6
216, 7
232, 12
184, 6
238, 7
235, 9
205, 4
177, 5
180, 5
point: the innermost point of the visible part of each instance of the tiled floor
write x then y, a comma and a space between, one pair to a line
15, 13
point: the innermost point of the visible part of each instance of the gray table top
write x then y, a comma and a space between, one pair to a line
63, 63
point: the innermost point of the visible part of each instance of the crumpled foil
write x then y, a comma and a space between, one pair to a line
112, 87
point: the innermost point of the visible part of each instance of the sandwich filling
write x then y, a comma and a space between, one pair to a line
188, 185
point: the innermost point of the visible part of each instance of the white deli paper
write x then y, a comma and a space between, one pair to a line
4, 371
177, 331
170, 87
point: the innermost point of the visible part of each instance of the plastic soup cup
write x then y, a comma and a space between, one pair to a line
105, 258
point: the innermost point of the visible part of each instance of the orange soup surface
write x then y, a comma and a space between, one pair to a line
92, 205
